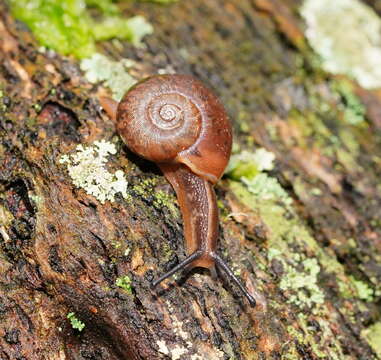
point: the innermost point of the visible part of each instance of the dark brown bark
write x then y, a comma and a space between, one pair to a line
58, 252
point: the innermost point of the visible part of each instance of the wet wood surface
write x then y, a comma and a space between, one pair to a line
61, 250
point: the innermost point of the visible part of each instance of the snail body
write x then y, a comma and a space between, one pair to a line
178, 123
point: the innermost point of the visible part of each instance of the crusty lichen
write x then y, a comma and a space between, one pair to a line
250, 168
347, 36
248, 164
87, 169
300, 278
363, 290
303, 283
373, 335
301, 273
114, 74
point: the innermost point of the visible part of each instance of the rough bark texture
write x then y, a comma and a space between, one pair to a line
62, 250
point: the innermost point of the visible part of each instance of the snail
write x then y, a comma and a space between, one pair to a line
178, 123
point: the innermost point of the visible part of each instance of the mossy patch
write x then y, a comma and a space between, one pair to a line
75, 322
354, 110
124, 282
67, 26
250, 168
164, 199
267, 187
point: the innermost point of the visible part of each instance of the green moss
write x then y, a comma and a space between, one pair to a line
133, 29
373, 335
116, 244
145, 187
273, 253
300, 279
127, 252
242, 169
315, 339
75, 322
37, 107
124, 282
166, 252
67, 27
347, 291
106, 6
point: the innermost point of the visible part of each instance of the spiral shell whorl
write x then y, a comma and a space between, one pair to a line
176, 119
157, 120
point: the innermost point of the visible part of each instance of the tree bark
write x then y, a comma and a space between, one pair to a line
62, 250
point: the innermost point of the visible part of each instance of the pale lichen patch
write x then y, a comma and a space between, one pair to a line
114, 74
373, 335
300, 276
249, 164
303, 284
347, 36
178, 352
163, 348
185, 347
87, 169
363, 291
267, 188
250, 168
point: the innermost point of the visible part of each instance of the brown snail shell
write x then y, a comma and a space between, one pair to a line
175, 118
178, 123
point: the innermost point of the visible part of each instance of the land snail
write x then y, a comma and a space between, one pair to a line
178, 123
